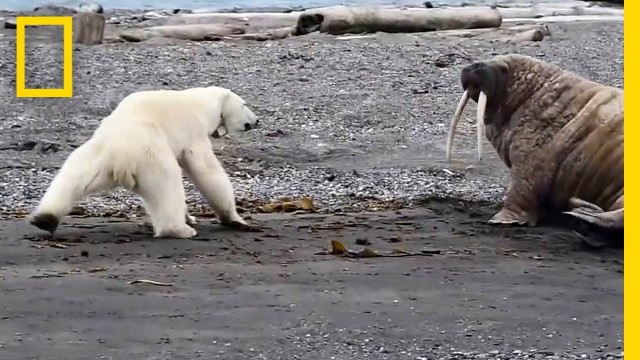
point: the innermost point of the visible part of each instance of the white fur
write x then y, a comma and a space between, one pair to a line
144, 145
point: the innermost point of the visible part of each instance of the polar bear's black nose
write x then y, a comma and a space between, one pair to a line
247, 127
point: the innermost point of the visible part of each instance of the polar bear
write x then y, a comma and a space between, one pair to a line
143, 146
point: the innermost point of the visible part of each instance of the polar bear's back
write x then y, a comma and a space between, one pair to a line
160, 107
150, 127
175, 117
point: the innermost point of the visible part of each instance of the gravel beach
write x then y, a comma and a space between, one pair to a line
343, 120
358, 125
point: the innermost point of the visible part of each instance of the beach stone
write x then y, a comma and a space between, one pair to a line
88, 28
10, 23
90, 7
53, 10
156, 14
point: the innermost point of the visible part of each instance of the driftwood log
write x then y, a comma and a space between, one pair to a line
338, 20
536, 34
88, 28
257, 21
192, 32
275, 34
558, 10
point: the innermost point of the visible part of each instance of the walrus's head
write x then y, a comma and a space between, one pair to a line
500, 86
485, 83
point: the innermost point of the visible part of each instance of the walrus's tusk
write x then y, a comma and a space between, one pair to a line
482, 106
454, 122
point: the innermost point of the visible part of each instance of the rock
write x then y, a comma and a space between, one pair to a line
53, 10
45, 10
91, 7
42, 146
156, 14
10, 23
88, 28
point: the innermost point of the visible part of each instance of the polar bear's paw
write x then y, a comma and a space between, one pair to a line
181, 232
45, 221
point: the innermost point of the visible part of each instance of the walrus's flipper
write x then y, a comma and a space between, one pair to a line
508, 216
613, 220
575, 203
518, 209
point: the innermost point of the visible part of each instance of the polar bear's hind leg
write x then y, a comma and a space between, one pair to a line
80, 176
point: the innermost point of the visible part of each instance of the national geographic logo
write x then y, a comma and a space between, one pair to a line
67, 27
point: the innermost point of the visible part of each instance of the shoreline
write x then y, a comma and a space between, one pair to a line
166, 27
406, 4
506, 6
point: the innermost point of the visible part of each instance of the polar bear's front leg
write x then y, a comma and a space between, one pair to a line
207, 174
159, 183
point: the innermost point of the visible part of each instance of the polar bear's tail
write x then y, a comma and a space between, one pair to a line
83, 173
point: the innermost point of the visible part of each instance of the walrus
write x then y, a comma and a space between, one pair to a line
560, 135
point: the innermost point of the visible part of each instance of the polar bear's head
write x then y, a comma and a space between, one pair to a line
236, 116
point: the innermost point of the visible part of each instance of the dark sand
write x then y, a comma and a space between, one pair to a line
269, 295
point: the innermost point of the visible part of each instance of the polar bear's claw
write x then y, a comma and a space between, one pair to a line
45, 221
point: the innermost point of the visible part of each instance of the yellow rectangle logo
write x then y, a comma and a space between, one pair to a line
67, 27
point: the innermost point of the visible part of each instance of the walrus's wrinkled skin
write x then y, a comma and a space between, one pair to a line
560, 135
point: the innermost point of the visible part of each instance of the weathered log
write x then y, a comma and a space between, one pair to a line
338, 20
88, 28
559, 9
275, 34
536, 34
257, 21
193, 32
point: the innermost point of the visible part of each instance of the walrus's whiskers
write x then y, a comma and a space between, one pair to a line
454, 122
482, 106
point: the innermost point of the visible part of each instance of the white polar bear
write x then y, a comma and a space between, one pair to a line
143, 146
